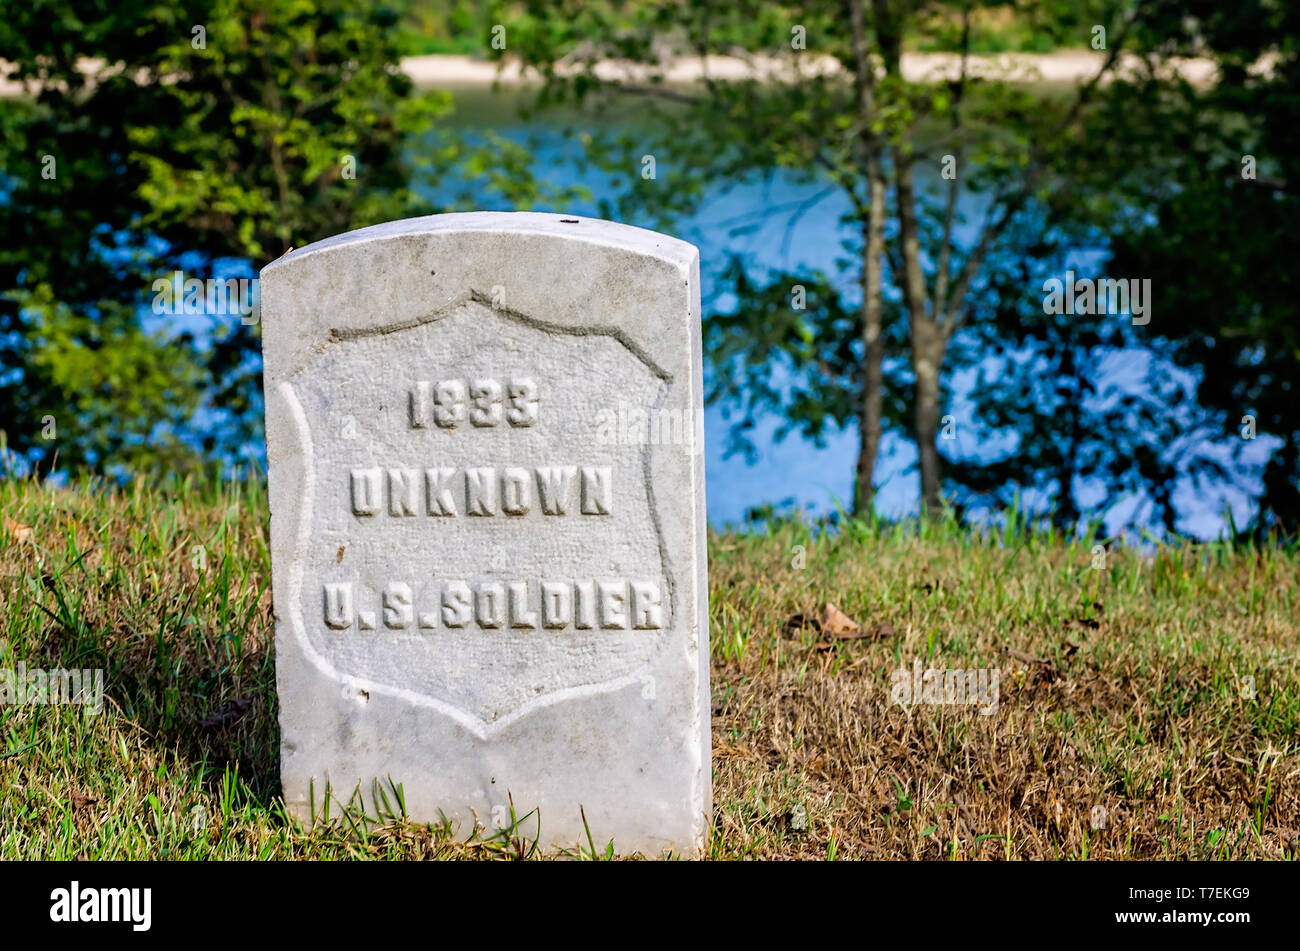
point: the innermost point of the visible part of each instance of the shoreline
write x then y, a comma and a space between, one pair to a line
1058, 67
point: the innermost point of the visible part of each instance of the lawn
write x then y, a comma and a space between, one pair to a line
1147, 705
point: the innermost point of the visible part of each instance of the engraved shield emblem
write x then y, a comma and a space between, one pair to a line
449, 424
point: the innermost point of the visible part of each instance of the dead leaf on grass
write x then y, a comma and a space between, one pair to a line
834, 625
838, 624
81, 802
230, 712
20, 532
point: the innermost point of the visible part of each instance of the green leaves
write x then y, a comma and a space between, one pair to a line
290, 122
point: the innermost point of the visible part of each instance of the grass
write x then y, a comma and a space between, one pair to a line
1147, 709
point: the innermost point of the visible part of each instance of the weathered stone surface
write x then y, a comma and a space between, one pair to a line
487, 524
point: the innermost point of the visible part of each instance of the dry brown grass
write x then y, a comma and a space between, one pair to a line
1122, 688
1128, 687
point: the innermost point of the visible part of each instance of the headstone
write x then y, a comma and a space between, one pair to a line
484, 434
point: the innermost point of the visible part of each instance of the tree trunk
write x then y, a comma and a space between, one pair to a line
871, 421
872, 411
927, 356
928, 339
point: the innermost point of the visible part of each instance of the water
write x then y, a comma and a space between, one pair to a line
788, 223
784, 222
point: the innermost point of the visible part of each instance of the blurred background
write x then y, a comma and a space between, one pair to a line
883, 194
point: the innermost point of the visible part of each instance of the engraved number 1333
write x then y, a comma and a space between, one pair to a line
480, 402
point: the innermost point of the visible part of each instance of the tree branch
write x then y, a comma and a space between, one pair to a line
956, 310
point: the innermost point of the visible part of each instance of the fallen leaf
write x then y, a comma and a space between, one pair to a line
81, 801
834, 623
18, 530
230, 712
838, 624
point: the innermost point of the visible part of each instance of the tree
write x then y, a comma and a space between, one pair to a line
1213, 172
84, 382
826, 95
201, 138
801, 121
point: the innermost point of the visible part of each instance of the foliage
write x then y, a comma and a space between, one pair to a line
827, 103
1217, 171
206, 138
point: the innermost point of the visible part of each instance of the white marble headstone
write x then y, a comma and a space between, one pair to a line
484, 434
